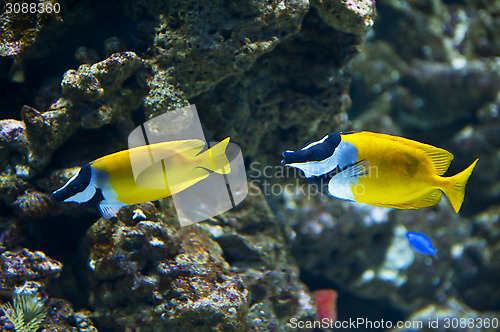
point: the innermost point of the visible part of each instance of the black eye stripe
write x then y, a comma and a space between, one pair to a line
316, 152
77, 185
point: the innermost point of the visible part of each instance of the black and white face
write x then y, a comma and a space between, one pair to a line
321, 157
78, 189
314, 151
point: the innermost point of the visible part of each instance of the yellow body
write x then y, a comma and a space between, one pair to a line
405, 174
184, 167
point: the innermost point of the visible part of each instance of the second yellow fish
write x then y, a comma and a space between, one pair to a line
381, 170
111, 178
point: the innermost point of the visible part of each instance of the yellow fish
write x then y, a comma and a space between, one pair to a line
112, 176
381, 170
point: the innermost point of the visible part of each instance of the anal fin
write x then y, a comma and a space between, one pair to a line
429, 199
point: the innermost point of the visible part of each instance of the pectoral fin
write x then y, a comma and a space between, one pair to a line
340, 186
109, 208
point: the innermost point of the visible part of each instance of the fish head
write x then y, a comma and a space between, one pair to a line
322, 157
78, 189
313, 151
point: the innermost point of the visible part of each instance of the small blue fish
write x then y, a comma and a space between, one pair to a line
420, 243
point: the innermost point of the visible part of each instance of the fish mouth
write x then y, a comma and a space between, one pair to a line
287, 156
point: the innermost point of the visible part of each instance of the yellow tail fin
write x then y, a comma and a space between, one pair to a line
215, 159
455, 191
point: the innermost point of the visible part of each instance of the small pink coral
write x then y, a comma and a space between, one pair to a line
326, 303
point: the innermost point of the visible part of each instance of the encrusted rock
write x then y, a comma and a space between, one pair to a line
150, 275
45, 132
62, 317
450, 315
98, 93
476, 268
353, 16
13, 135
26, 269
10, 234
203, 43
257, 244
290, 95
20, 28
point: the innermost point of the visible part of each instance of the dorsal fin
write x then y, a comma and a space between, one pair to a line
145, 155
440, 158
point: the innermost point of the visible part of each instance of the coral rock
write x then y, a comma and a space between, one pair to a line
22, 268
19, 30
151, 276
353, 16
62, 317
97, 91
